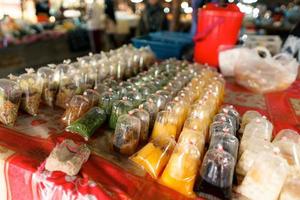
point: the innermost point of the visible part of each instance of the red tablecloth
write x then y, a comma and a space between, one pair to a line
106, 175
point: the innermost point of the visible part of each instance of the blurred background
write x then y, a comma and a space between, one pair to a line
34, 33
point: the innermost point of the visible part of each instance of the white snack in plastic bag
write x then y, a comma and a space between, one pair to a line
265, 178
290, 190
228, 59
247, 117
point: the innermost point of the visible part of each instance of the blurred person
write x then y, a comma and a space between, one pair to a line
42, 10
96, 24
110, 22
153, 18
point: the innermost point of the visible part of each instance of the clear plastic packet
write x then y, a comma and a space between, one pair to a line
181, 170
10, 98
31, 86
290, 190
288, 142
119, 108
93, 97
159, 100
102, 71
196, 124
190, 136
221, 127
152, 109
86, 125
106, 101
135, 97
154, 156
258, 128
227, 142
253, 148
165, 125
144, 118
127, 134
77, 107
247, 117
216, 175
50, 86
265, 178
226, 118
230, 110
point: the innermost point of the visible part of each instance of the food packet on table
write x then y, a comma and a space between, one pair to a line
181, 170
93, 97
253, 148
127, 134
67, 157
107, 99
226, 118
230, 110
152, 109
259, 128
194, 123
86, 125
119, 108
247, 117
215, 175
265, 178
288, 142
290, 190
165, 125
259, 72
50, 86
135, 97
31, 86
159, 100
10, 98
191, 136
154, 156
77, 107
144, 118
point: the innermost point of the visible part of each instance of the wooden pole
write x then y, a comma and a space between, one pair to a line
176, 15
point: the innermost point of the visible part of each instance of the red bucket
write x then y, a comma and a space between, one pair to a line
217, 26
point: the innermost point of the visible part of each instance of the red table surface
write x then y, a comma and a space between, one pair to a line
22, 153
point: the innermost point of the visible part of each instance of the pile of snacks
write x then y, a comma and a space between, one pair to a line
56, 85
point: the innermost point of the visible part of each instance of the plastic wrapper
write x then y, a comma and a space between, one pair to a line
159, 100
31, 86
50, 86
77, 107
190, 136
127, 134
154, 156
226, 118
93, 97
230, 110
265, 178
216, 175
135, 97
288, 142
221, 127
10, 98
196, 124
152, 109
247, 117
86, 125
290, 190
106, 101
144, 118
165, 125
227, 142
253, 148
258, 128
67, 157
265, 74
181, 170
119, 108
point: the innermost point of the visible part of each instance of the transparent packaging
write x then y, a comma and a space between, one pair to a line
106, 101
216, 175
86, 125
93, 97
230, 110
165, 125
221, 127
119, 108
10, 98
127, 134
196, 125
247, 117
159, 100
135, 97
226, 118
154, 156
290, 190
50, 86
181, 170
144, 118
77, 107
190, 136
152, 109
265, 178
31, 86
288, 142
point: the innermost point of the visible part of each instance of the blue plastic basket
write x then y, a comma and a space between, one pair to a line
163, 48
173, 36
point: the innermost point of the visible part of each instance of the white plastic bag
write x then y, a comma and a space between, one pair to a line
258, 71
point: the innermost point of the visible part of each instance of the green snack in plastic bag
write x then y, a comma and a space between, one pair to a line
119, 108
88, 123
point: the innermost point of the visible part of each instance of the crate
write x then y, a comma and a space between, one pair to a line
173, 36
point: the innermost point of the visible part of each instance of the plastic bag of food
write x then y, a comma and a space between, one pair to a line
127, 134
154, 156
31, 86
230, 110
226, 118
288, 142
152, 109
265, 178
247, 117
216, 175
10, 98
77, 107
50, 86
93, 97
144, 118
265, 74
221, 127
119, 108
290, 190
165, 125
135, 97
190, 136
86, 125
181, 170
106, 101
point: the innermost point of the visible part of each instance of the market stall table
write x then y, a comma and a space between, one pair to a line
107, 175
